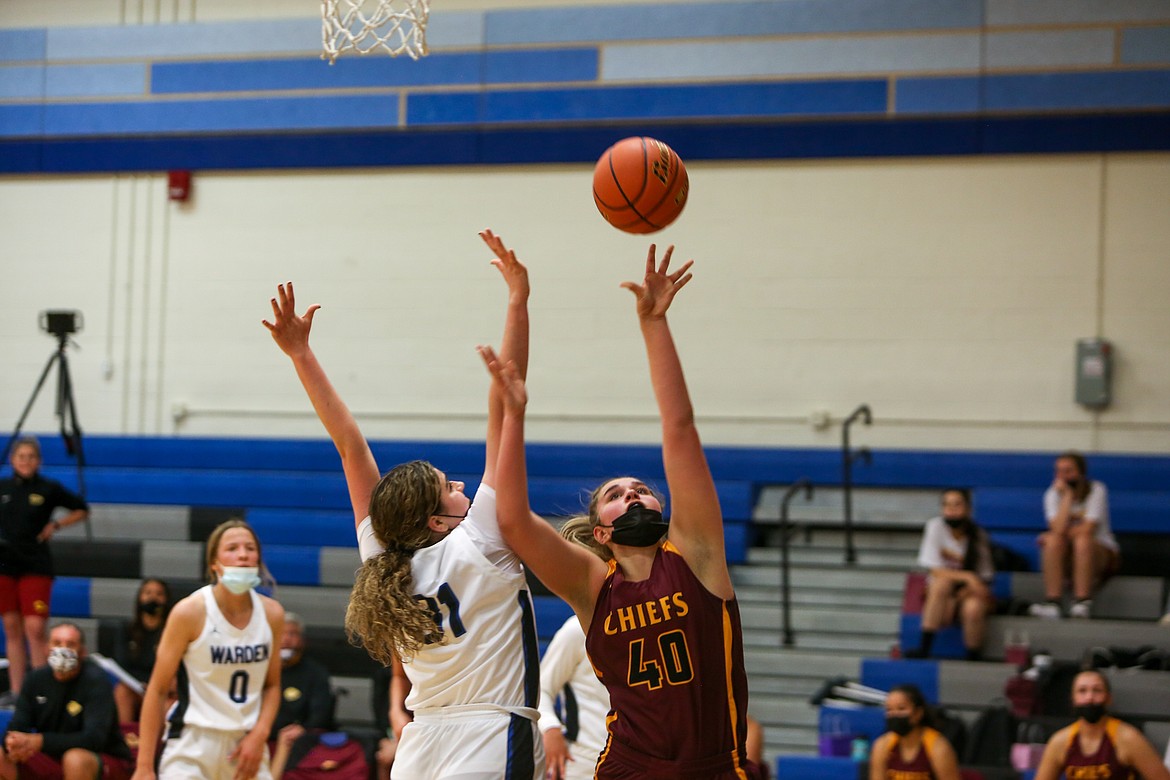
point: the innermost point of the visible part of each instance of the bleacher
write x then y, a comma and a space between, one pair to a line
156, 499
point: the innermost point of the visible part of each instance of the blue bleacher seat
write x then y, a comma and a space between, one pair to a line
817, 768
883, 674
70, 596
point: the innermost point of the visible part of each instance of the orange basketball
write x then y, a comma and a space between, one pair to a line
640, 185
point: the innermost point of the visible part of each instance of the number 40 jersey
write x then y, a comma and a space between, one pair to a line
222, 674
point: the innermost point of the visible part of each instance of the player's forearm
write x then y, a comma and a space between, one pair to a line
666, 375
331, 410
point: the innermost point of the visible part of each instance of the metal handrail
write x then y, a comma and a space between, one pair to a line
785, 595
847, 458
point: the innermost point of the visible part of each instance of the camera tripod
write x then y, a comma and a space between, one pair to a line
65, 410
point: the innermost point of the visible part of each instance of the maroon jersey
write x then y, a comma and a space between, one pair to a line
1103, 764
917, 768
671, 655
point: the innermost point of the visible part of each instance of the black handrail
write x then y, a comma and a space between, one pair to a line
785, 596
847, 458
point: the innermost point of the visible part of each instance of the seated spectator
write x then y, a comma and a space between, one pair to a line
27, 503
1078, 545
1097, 745
65, 724
957, 554
911, 749
138, 643
306, 701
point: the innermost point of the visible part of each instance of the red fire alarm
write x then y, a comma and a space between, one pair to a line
179, 185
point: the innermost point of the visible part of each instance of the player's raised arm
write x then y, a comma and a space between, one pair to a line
696, 521
290, 331
513, 347
569, 570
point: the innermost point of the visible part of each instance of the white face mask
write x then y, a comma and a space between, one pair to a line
62, 660
287, 653
240, 579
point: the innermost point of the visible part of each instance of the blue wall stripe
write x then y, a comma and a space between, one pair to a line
168, 41
546, 65
96, 119
22, 81
940, 95
20, 121
716, 100
725, 19
1045, 91
1007, 12
1125, 89
1145, 131
95, 80
1050, 48
1144, 45
786, 58
22, 45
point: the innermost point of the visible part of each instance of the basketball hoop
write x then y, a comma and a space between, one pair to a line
366, 26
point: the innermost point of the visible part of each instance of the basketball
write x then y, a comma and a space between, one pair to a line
640, 185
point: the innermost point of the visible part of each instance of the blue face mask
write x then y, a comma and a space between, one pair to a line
240, 579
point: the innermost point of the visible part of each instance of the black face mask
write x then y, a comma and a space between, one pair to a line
899, 724
955, 522
1072, 484
151, 607
639, 527
1090, 712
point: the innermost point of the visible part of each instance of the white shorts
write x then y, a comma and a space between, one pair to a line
202, 754
479, 745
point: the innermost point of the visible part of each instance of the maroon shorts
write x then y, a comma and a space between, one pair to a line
27, 594
622, 763
42, 767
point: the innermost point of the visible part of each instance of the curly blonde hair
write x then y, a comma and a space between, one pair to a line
383, 615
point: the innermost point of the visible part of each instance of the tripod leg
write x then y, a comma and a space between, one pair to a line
70, 429
28, 407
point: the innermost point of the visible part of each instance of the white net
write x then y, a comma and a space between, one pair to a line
368, 26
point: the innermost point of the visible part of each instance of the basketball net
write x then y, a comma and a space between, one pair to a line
366, 26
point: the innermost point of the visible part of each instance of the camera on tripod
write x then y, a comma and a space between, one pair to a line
61, 322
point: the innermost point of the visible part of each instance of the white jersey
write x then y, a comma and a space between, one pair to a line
475, 587
565, 672
1094, 509
941, 550
222, 674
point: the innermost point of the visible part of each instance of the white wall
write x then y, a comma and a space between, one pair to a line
947, 293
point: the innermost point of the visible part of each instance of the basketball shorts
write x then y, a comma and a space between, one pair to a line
27, 594
43, 767
202, 754
478, 744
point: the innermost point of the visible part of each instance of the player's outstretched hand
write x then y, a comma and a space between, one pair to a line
289, 331
659, 286
513, 271
507, 377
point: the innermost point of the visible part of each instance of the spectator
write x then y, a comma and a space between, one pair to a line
911, 747
65, 723
1103, 746
957, 554
139, 642
27, 502
306, 701
1078, 544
